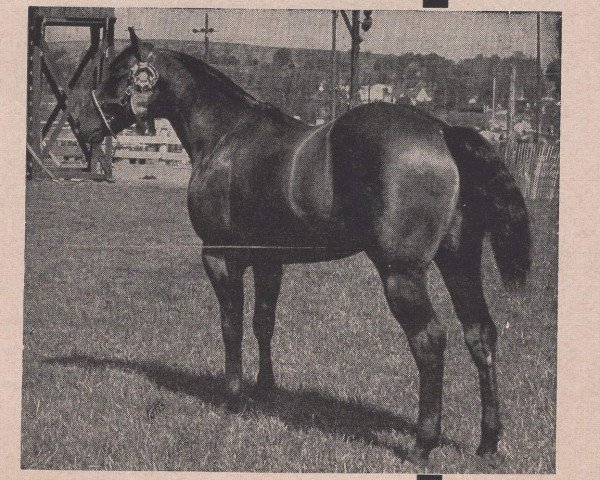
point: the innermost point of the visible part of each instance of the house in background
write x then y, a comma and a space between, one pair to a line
377, 93
418, 94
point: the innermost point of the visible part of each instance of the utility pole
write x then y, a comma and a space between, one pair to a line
206, 31
354, 29
354, 58
334, 73
538, 91
511, 104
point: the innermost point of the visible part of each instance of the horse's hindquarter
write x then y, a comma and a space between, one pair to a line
396, 179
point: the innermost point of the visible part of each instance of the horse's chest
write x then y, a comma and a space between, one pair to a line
209, 195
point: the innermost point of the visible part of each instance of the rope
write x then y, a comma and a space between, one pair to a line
162, 246
101, 112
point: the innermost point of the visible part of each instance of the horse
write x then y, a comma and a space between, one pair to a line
268, 190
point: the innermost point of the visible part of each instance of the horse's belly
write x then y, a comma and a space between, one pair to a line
260, 215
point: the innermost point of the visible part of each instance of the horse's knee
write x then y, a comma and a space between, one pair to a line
428, 346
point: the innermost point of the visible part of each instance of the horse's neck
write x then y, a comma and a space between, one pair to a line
201, 126
202, 111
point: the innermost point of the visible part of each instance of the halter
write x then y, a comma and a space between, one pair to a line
143, 77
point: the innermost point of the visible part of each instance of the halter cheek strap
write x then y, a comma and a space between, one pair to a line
101, 113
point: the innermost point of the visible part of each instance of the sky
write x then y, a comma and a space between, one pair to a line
454, 35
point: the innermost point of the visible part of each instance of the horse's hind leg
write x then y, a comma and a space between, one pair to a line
462, 274
267, 283
226, 276
406, 292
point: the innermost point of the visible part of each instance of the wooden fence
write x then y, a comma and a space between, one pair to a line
535, 167
135, 148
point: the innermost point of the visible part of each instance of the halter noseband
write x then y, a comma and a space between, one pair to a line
143, 77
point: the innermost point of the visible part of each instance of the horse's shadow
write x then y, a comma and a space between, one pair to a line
299, 409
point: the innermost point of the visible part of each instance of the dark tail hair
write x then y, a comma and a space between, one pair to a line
489, 190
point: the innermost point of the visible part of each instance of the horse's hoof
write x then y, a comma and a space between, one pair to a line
237, 403
491, 459
486, 448
418, 456
263, 391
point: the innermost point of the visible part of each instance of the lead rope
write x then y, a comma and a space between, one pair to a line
101, 112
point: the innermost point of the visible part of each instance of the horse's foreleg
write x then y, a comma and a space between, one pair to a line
462, 275
226, 276
267, 283
406, 293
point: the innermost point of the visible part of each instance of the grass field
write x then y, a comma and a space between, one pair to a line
123, 355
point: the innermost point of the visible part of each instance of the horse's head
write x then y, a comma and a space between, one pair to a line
126, 96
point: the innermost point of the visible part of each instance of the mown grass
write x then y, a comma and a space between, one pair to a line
123, 355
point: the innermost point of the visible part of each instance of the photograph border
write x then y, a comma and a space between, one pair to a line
577, 351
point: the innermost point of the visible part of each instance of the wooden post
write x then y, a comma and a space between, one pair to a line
92, 157
34, 90
334, 73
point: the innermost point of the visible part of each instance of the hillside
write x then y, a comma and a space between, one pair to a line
298, 79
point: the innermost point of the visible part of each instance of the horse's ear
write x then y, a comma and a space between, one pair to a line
135, 43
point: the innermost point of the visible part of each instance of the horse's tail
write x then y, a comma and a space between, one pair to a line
490, 192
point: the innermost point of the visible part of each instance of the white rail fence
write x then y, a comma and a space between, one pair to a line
135, 148
536, 167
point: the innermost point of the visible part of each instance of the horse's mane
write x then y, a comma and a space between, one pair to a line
198, 68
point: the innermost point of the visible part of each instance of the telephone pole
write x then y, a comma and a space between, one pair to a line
510, 123
354, 58
334, 73
206, 31
538, 90
354, 29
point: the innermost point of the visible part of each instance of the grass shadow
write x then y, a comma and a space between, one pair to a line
298, 409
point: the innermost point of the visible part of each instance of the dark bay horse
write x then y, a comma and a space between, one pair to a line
383, 179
